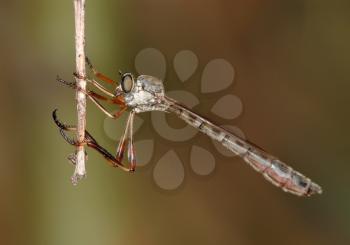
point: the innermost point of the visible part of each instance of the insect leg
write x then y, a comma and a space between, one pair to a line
123, 141
62, 128
127, 139
97, 85
97, 73
94, 98
114, 100
89, 141
131, 148
115, 115
108, 156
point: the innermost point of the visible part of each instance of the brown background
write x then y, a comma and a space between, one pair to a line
292, 73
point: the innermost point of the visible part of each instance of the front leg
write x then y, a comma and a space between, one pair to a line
99, 74
97, 85
94, 97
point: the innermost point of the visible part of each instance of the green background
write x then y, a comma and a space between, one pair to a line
292, 74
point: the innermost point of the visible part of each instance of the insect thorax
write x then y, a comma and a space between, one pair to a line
147, 95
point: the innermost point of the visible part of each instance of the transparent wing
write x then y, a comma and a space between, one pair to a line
275, 171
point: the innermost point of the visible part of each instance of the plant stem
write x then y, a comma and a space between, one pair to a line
79, 13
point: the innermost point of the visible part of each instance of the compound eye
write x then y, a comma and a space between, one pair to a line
127, 83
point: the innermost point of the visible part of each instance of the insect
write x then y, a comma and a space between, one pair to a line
145, 94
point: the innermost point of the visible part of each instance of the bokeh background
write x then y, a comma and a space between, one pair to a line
292, 74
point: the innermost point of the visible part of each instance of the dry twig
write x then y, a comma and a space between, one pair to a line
79, 13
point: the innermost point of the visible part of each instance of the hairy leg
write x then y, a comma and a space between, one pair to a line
90, 142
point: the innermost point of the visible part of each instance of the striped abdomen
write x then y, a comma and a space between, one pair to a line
271, 168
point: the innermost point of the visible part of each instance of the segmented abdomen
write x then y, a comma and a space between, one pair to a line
275, 171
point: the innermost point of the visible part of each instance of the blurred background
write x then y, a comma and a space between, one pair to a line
291, 60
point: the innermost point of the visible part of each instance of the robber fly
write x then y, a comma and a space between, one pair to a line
145, 94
